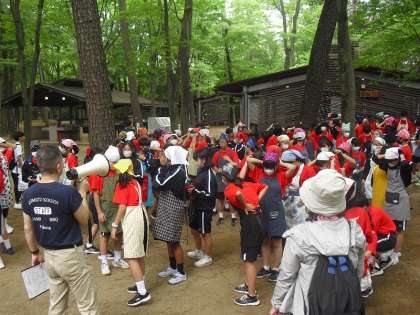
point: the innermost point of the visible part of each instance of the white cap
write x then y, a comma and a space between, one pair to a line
299, 135
392, 154
2, 140
324, 156
155, 145
204, 132
130, 135
283, 138
380, 140
112, 154
324, 193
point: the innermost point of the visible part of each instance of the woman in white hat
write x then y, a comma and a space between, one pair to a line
170, 183
397, 201
326, 233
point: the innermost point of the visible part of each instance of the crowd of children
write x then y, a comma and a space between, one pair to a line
294, 190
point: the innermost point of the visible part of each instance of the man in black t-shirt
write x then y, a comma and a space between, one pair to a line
53, 214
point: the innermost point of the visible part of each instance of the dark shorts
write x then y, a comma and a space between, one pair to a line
250, 254
201, 221
386, 242
93, 210
401, 225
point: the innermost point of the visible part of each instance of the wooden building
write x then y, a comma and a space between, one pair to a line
278, 97
62, 104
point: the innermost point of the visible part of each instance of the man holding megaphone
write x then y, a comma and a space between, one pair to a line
53, 214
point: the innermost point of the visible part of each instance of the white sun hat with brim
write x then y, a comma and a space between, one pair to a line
324, 156
392, 154
324, 194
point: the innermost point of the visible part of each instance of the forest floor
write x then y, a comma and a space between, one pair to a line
207, 291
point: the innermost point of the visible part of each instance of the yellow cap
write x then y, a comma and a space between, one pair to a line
124, 166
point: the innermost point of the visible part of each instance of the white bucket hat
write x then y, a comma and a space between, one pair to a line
324, 193
392, 154
177, 155
324, 156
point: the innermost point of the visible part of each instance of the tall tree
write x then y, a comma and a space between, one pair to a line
27, 92
315, 76
94, 72
345, 53
130, 62
187, 109
289, 49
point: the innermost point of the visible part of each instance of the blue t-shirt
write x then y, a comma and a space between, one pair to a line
51, 207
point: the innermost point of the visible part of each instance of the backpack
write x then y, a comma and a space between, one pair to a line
335, 288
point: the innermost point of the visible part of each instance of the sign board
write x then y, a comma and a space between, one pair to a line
369, 93
158, 122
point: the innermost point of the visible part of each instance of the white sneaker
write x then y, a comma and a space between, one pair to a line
121, 263
203, 262
17, 206
196, 254
177, 278
167, 273
9, 229
105, 269
2, 265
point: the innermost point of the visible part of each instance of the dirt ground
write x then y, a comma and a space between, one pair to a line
207, 291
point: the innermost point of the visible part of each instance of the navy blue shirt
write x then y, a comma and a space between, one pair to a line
51, 207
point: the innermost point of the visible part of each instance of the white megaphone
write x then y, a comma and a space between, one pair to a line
98, 166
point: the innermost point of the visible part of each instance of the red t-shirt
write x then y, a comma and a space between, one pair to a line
307, 172
128, 195
242, 136
358, 156
96, 183
229, 152
358, 130
272, 141
72, 161
362, 217
299, 147
9, 155
249, 190
136, 144
340, 140
407, 152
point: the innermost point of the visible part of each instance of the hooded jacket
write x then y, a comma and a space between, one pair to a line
305, 242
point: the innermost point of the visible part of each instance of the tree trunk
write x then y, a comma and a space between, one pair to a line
318, 62
187, 108
130, 63
293, 33
280, 7
94, 73
170, 75
20, 43
348, 107
229, 74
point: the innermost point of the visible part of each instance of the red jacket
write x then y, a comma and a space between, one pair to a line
381, 222
363, 219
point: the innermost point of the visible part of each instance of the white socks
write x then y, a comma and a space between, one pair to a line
233, 215
117, 255
104, 259
7, 244
141, 287
221, 215
266, 268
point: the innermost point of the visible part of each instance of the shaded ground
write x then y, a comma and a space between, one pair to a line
209, 290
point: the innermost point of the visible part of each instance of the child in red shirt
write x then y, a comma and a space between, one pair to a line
404, 139
245, 197
133, 216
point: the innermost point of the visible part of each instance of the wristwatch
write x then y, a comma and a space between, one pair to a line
114, 225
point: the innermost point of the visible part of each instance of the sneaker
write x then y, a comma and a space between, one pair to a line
242, 288
177, 278
2, 265
9, 229
139, 299
366, 293
196, 254
246, 300
377, 270
120, 263
105, 269
203, 262
9, 251
92, 250
132, 289
234, 221
273, 276
263, 273
167, 273
17, 206
109, 256
220, 221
